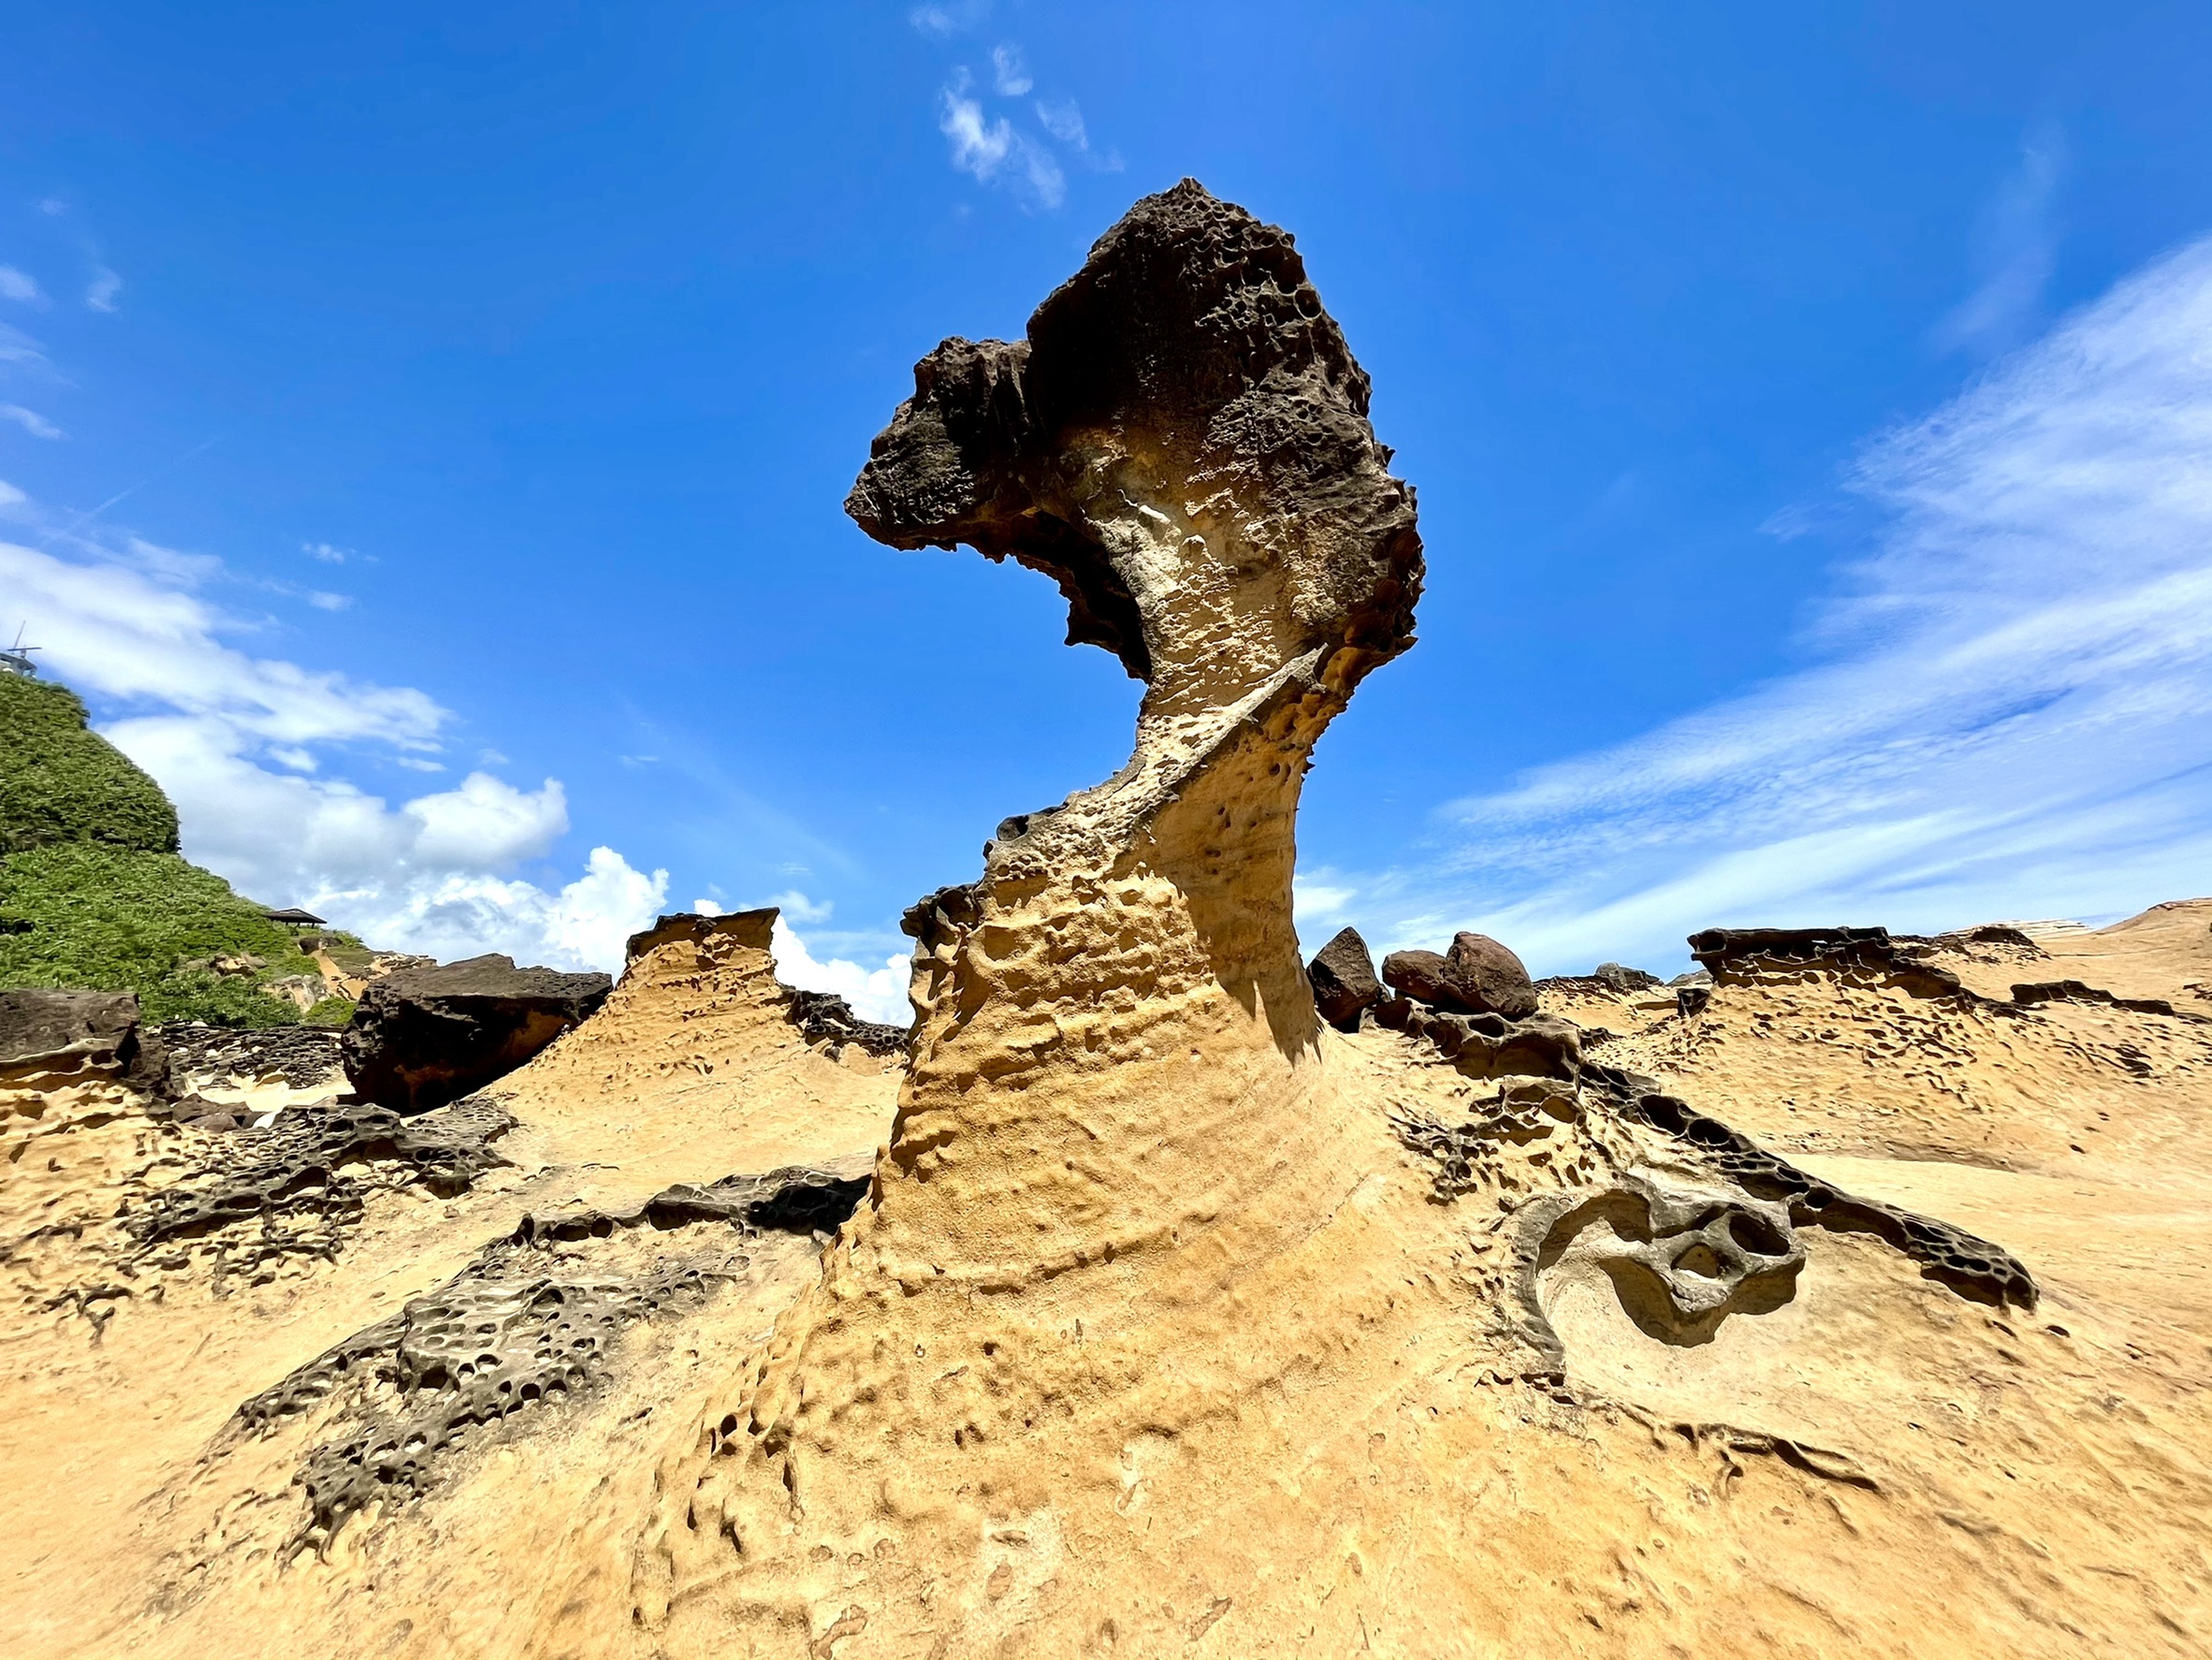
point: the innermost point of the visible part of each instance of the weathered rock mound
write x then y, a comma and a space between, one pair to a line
1477, 976
65, 1035
424, 1037
1344, 980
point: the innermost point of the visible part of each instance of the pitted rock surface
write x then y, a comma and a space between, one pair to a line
303, 1056
297, 1186
1489, 1045
823, 1017
1739, 954
525, 1327
1971, 1266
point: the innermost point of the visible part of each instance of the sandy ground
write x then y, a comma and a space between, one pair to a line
1290, 1423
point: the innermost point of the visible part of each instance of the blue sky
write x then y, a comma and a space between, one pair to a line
424, 440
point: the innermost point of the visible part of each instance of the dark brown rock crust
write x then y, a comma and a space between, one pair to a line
424, 1037
1194, 324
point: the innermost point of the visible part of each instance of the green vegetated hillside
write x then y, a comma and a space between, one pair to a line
61, 781
92, 893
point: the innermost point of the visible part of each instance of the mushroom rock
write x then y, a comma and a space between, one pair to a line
1174, 1318
1170, 1308
1114, 1130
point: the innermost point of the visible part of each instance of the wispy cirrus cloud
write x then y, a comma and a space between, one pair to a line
2011, 714
20, 286
997, 143
31, 421
99, 294
20, 349
2016, 247
1010, 72
995, 151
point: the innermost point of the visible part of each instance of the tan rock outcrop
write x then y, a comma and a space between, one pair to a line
1853, 1305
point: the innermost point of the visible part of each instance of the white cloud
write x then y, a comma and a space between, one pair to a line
875, 993
20, 286
20, 348
128, 629
1064, 121
797, 905
425, 877
232, 737
979, 147
330, 602
942, 20
2011, 717
106, 285
326, 552
31, 421
53, 206
2018, 244
986, 147
1009, 73
585, 925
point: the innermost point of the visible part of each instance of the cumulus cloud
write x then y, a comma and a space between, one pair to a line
20, 286
233, 739
875, 993
797, 905
2009, 717
426, 875
31, 421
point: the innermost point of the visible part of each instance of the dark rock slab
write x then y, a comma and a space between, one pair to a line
1746, 954
1489, 1045
2075, 991
424, 1037
92, 1032
1344, 980
303, 1179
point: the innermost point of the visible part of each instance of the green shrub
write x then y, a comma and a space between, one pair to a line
330, 1011
61, 781
117, 919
